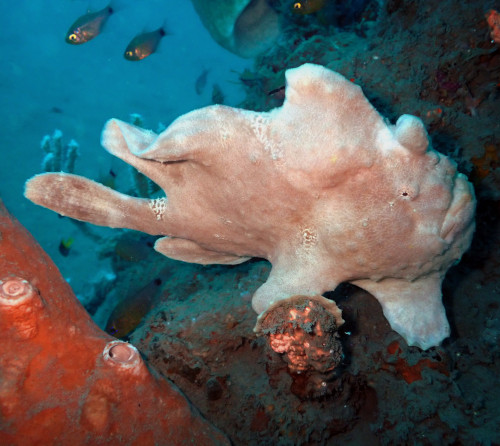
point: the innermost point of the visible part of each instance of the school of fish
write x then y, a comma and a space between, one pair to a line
91, 24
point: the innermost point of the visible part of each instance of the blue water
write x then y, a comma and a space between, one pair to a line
47, 84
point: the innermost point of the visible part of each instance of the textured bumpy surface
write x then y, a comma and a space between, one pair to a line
322, 187
63, 380
304, 330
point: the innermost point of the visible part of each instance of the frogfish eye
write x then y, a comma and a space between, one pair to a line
297, 5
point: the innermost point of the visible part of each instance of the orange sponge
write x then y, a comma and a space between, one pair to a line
64, 381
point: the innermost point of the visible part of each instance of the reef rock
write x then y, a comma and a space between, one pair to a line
62, 379
323, 187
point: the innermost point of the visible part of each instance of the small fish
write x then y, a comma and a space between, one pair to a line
304, 7
108, 180
248, 78
217, 95
88, 26
129, 313
131, 249
65, 246
145, 44
201, 81
277, 90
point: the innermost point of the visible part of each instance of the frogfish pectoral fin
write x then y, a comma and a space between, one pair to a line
83, 199
414, 309
189, 251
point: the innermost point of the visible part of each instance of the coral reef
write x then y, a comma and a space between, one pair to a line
322, 187
245, 27
64, 381
58, 157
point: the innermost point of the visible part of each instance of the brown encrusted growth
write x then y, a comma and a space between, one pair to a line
304, 330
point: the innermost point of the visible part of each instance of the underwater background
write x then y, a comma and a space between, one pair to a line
194, 324
48, 84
